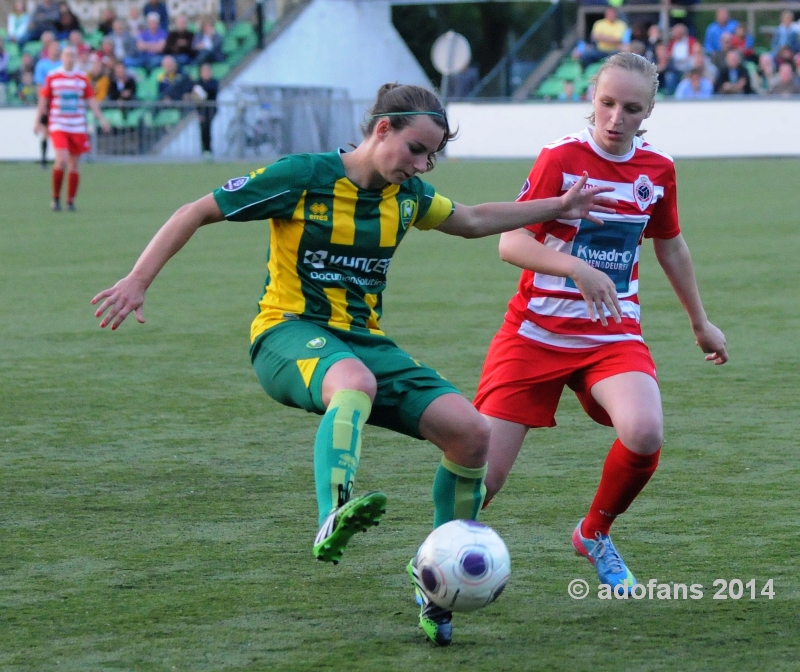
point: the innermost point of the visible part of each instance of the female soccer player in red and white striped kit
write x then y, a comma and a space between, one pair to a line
67, 92
575, 318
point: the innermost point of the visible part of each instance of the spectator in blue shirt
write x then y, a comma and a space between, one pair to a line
49, 62
785, 35
694, 86
723, 24
160, 8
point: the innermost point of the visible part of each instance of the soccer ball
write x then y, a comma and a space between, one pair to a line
463, 565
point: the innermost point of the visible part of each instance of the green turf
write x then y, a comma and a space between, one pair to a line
157, 509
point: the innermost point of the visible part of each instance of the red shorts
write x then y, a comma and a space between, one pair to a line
522, 380
74, 143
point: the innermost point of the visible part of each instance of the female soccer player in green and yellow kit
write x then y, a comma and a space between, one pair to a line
336, 220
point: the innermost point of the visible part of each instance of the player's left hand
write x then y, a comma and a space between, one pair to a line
712, 341
105, 125
580, 201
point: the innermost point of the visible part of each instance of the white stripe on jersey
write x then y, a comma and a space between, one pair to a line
623, 191
536, 333
576, 310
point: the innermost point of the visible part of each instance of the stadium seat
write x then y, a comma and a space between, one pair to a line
242, 30
136, 116
230, 43
147, 90
221, 28
140, 74
167, 118
14, 64
32, 48
94, 39
550, 87
592, 69
219, 70
12, 49
570, 70
191, 71
114, 117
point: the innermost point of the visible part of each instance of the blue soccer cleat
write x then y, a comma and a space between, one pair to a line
600, 551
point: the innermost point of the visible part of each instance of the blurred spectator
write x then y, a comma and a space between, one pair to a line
205, 90
694, 86
48, 36
723, 24
743, 43
107, 18
47, 63
106, 52
719, 57
668, 76
208, 43
785, 34
701, 60
124, 42
26, 64
67, 22
179, 41
784, 55
136, 23
77, 41
569, 94
787, 84
150, 45
123, 86
44, 17
635, 47
766, 75
734, 78
680, 48
653, 38
607, 37
4, 76
172, 85
160, 8
98, 76
18, 22
679, 13
227, 11
27, 91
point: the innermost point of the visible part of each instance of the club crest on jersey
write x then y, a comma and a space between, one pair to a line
316, 343
643, 192
408, 209
235, 184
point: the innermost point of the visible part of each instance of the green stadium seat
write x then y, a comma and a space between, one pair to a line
230, 43
147, 90
32, 48
242, 30
14, 64
221, 28
167, 118
12, 49
94, 39
592, 69
569, 70
220, 70
550, 87
191, 71
114, 117
136, 116
139, 73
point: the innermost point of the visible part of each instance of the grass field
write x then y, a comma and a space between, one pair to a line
157, 509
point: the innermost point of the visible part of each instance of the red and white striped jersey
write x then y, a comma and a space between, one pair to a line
550, 309
67, 92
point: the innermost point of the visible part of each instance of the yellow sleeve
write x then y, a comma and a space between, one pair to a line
440, 209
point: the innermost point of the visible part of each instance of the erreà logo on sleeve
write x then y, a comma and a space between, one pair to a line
235, 184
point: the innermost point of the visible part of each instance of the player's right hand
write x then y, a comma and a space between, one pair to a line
599, 292
119, 301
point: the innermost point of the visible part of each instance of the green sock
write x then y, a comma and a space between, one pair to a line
337, 448
458, 492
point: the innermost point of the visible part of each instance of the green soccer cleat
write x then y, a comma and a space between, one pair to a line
353, 516
436, 623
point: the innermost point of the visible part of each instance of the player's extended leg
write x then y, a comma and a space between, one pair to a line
348, 390
633, 402
73, 179
452, 423
505, 443
59, 167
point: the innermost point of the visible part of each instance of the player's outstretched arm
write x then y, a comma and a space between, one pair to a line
674, 256
520, 248
477, 221
128, 294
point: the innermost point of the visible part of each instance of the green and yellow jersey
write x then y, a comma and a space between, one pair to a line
330, 241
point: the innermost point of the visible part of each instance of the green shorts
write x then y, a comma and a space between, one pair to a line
292, 358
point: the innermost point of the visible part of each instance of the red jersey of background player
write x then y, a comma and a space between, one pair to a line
67, 92
550, 309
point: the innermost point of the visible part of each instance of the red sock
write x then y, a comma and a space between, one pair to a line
72, 186
625, 473
58, 180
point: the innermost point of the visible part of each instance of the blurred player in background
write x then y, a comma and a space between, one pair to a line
575, 318
63, 99
336, 220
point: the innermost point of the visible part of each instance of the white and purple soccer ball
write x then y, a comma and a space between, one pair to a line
463, 565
